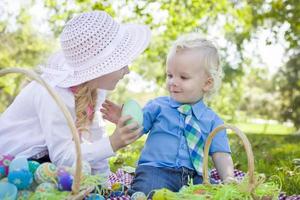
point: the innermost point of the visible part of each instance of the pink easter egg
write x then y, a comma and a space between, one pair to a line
5, 161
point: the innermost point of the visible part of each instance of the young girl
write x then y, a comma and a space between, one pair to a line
95, 54
178, 125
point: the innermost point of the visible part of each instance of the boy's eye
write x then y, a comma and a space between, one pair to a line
184, 77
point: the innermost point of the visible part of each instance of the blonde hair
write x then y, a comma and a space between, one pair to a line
209, 59
84, 97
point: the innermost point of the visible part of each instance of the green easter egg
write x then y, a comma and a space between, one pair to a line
133, 109
33, 165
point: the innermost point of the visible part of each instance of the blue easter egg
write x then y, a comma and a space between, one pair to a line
95, 197
65, 181
18, 164
8, 191
20, 178
2, 171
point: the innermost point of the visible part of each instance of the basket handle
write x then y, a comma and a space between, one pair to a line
247, 147
33, 75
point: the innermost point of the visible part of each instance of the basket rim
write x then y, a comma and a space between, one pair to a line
34, 76
247, 147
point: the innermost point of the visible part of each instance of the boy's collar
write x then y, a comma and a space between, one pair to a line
198, 108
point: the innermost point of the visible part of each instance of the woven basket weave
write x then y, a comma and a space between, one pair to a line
247, 147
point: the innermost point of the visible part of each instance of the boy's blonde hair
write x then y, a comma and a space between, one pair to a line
84, 97
209, 60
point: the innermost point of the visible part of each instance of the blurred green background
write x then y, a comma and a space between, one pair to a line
259, 48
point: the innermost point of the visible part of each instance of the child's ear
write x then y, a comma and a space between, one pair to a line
208, 84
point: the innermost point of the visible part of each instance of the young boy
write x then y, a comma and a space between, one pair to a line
179, 124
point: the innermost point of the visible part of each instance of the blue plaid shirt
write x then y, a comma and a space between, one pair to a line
166, 144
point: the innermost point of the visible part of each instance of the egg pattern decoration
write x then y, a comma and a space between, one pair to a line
45, 187
19, 173
24, 194
20, 178
46, 172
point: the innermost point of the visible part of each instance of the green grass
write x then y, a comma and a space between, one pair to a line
273, 155
273, 129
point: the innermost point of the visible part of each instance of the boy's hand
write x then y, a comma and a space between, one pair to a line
224, 165
111, 111
124, 134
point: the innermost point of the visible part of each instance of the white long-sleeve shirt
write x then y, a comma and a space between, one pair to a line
34, 124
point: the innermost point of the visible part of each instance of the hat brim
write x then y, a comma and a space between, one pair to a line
135, 40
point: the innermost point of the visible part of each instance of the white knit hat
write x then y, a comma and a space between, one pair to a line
93, 44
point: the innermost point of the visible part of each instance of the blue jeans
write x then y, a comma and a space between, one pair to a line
148, 178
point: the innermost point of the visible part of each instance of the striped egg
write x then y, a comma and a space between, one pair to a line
46, 172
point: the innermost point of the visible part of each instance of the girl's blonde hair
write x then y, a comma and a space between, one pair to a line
84, 97
209, 58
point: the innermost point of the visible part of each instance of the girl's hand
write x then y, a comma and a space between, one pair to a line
124, 134
111, 111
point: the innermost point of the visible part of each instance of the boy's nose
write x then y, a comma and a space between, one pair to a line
172, 82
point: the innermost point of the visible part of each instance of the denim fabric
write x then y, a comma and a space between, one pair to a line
149, 178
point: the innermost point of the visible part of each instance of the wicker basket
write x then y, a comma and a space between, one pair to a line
252, 181
76, 193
